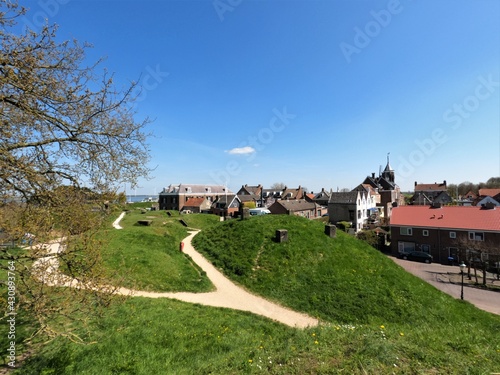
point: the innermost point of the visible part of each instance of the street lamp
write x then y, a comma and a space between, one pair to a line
462, 269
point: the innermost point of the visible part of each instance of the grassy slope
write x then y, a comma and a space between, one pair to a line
148, 257
379, 319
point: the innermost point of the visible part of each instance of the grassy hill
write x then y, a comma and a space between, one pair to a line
377, 318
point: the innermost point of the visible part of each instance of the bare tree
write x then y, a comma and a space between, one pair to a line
64, 126
478, 254
278, 186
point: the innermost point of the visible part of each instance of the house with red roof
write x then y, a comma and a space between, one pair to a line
445, 231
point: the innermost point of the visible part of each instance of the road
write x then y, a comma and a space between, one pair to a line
437, 275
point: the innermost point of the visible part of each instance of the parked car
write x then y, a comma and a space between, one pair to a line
418, 256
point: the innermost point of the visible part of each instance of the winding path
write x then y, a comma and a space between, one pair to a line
227, 294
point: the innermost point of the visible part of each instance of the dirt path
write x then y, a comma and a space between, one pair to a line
227, 294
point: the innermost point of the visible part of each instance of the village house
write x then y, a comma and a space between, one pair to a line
226, 205
445, 231
488, 196
298, 207
251, 194
354, 207
427, 194
175, 197
197, 205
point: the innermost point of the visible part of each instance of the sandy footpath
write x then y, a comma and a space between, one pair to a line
227, 294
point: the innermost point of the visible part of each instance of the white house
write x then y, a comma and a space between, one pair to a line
355, 207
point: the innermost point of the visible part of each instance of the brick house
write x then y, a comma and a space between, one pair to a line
251, 194
226, 205
174, 197
445, 231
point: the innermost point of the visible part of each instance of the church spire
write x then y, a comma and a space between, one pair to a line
388, 173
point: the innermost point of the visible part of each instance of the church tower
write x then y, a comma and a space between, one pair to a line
388, 172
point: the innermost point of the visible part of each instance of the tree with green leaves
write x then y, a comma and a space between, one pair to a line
68, 139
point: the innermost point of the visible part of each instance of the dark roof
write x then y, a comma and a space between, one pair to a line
430, 187
297, 205
344, 197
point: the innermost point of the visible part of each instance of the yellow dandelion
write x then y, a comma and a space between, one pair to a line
314, 334
250, 361
382, 326
316, 342
401, 334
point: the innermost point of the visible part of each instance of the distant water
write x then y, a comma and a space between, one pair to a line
140, 198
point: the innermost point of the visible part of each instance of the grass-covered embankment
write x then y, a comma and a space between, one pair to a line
148, 257
378, 319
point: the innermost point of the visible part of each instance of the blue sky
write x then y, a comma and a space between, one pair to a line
311, 93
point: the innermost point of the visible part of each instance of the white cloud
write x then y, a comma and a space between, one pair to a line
241, 150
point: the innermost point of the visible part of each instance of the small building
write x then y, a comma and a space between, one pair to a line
427, 194
226, 205
298, 207
197, 205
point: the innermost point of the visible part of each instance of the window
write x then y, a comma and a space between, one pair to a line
426, 248
453, 235
406, 247
405, 231
425, 233
476, 236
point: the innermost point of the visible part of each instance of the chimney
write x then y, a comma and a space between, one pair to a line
373, 175
415, 183
444, 183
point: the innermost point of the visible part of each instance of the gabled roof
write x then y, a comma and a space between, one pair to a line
194, 202
447, 217
431, 187
227, 198
488, 192
255, 190
344, 197
292, 193
195, 189
297, 205
366, 188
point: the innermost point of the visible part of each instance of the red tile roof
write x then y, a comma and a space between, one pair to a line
489, 192
194, 202
450, 217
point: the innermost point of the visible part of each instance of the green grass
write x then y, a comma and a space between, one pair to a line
377, 319
148, 257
